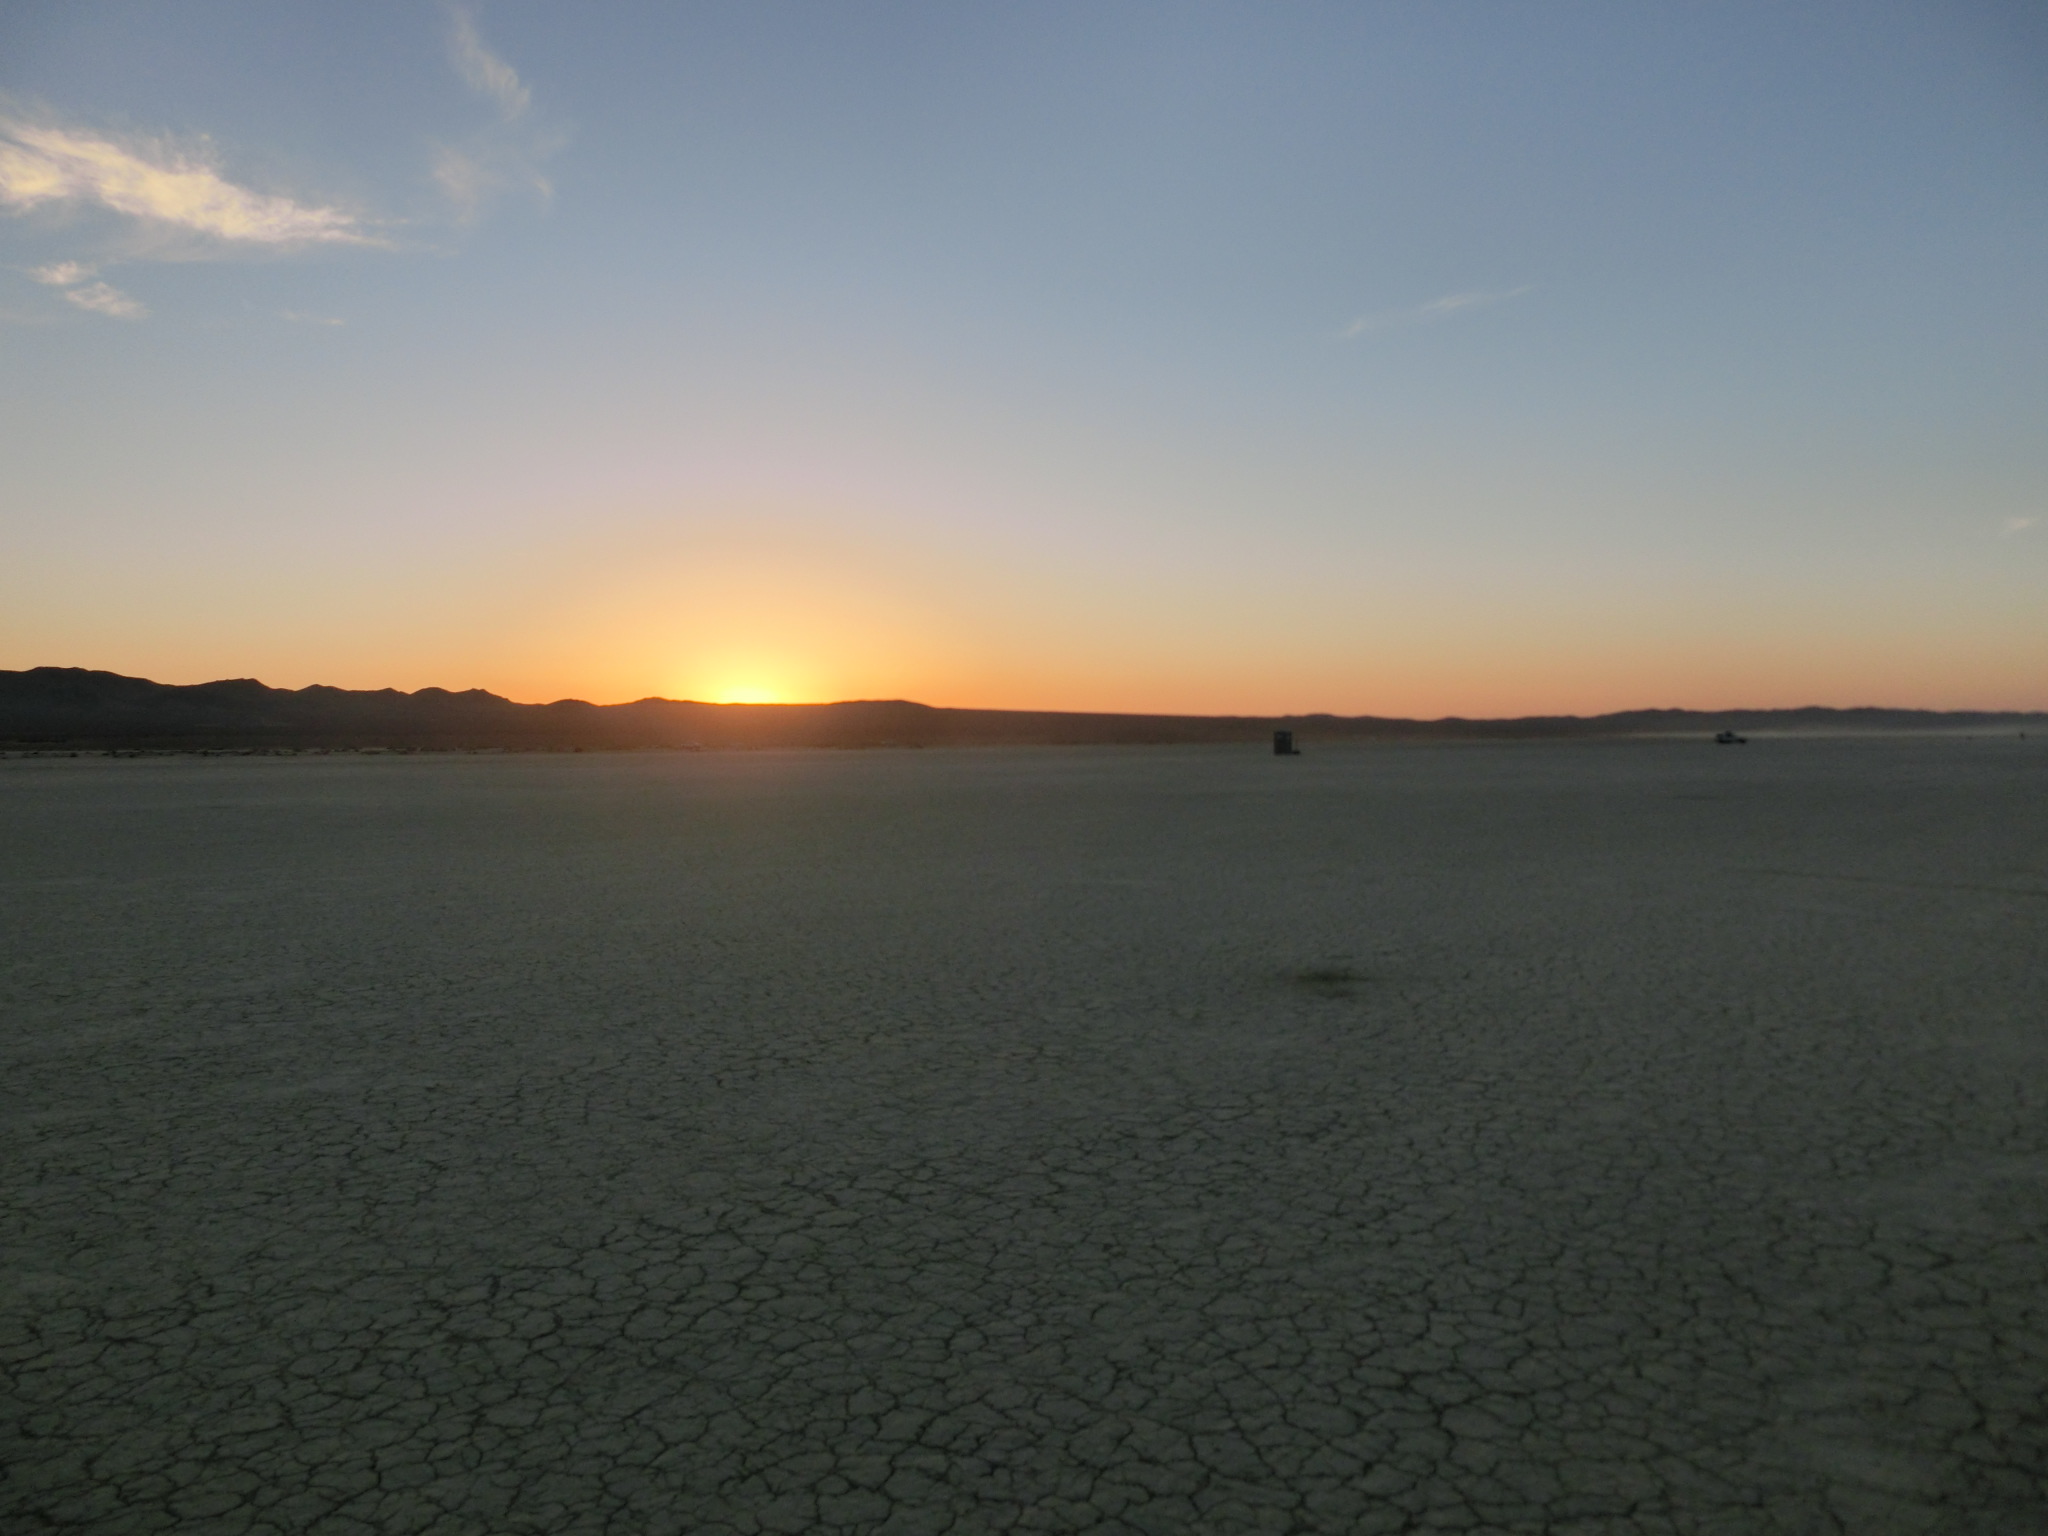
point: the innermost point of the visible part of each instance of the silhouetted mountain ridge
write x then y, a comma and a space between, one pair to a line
75, 707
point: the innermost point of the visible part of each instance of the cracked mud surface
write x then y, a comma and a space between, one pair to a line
1595, 1138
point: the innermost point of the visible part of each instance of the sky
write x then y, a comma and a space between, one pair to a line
1406, 359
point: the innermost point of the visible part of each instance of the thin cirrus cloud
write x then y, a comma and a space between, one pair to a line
506, 153
62, 274
483, 71
2019, 524
158, 186
106, 299
75, 278
1436, 309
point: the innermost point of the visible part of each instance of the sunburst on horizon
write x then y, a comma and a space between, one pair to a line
746, 693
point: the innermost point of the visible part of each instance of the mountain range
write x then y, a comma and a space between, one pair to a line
72, 708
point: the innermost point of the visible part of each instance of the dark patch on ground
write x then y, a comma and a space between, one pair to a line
1329, 980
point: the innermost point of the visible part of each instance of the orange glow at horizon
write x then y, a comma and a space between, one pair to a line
744, 693
792, 605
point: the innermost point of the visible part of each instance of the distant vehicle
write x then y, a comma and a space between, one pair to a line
1730, 739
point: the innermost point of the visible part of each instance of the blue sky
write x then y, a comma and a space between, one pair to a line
1405, 359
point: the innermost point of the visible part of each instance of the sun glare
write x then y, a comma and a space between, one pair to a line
745, 694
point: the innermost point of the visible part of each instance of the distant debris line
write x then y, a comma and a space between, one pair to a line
51, 708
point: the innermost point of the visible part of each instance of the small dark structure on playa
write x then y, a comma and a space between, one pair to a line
1729, 739
1283, 744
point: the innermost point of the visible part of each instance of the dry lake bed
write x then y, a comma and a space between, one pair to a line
1624, 1137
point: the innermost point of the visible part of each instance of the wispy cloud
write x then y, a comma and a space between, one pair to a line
101, 298
2018, 524
106, 299
506, 153
62, 274
157, 184
1436, 309
463, 178
300, 317
483, 71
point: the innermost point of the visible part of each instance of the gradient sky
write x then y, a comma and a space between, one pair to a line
1402, 359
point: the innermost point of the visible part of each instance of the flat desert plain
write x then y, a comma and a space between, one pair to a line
1623, 1137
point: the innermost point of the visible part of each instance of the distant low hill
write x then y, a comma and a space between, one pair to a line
70, 707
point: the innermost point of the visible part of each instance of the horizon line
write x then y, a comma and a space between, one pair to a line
1134, 714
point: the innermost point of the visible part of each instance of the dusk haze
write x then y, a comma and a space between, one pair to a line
1392, 359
